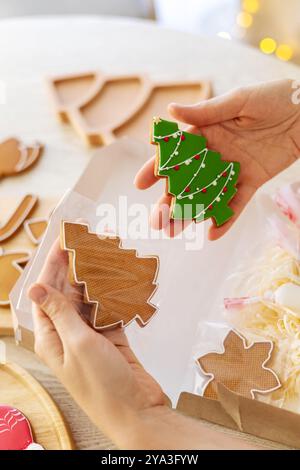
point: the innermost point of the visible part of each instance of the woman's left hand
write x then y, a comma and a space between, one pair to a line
99, 369
104, 376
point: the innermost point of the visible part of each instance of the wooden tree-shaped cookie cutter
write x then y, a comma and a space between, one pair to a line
113, 304
84, 101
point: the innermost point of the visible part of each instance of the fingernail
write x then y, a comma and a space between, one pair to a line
172, 105
38, 294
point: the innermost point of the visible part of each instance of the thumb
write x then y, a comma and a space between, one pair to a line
58, 309
213, 111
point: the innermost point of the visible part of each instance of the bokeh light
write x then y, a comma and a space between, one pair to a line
268, 45
284, 52
244, 19
251, 6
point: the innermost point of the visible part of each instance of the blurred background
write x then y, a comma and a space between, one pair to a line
272, 26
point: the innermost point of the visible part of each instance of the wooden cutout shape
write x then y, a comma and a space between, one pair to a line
35, 229
118, 284
240, 368
16, 157
102, 108
70, 91
21, 240
17, 218
11, 263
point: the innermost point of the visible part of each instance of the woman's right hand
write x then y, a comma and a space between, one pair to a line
258, 126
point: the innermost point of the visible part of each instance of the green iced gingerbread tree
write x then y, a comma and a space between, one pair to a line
200, 181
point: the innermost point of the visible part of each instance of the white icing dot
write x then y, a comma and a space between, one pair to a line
197, 189
175, 135
218, 199
214, 183
187, 162
191, 196
233, 173
179, 197
203, 165
175, 153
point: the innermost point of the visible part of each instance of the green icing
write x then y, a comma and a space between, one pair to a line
201, 182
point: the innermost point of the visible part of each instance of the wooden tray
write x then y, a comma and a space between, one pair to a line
21, 390
19, 241
102, 108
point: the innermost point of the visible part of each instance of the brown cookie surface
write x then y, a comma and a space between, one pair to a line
118, 283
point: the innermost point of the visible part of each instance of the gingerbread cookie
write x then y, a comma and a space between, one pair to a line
240, 368
16, 157
17, 218
201, 183
35, 229
11, 263
118, 283
15, 430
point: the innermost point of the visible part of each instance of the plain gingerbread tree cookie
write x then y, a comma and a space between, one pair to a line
118, 283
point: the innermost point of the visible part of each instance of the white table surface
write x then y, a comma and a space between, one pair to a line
34, 48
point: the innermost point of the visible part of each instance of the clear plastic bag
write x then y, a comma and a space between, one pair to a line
262, 297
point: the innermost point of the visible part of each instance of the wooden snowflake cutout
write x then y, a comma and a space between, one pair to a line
118, 284
240, 368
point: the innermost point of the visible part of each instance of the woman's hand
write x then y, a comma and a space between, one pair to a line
104, 376
258, 126
99, 370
